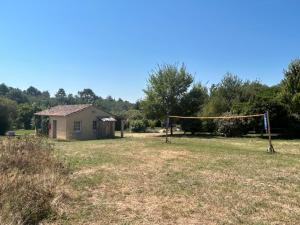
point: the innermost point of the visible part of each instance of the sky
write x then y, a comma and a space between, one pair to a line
112, 46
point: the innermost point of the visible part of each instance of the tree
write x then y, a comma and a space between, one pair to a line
46, 94
291, 86
17, 95
61, 96
192, 102
232, 127
25, 114
7, 114
87, 96
33, 91
265, 99
134, 114
165, 89
223, 95
3, 89
71, 100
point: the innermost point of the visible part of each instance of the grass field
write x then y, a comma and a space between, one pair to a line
142, 180
24, 132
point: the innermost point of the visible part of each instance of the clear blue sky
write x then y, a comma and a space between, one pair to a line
111, 46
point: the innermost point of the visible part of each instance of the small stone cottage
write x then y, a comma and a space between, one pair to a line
81, 122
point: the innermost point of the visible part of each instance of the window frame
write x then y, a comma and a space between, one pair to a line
74, 126
94, 123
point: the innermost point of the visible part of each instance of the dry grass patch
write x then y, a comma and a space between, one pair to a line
142, 180
31, 181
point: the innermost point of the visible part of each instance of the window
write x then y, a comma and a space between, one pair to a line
77, 126
94, 125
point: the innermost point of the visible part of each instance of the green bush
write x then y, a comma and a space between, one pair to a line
209, 126
152, 123
7, 114
138, 126
191, 125
232, 127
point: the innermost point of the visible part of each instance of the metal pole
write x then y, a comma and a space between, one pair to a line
271, 148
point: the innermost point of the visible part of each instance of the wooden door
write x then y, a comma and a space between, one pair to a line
54, 132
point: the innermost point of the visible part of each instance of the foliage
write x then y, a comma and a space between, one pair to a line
191, 125
165, 89
17, 95
192, 102
223, 95
7, 114
61, 96
138, 126
32, 99
232, 127
215, 106
152, 123
25, 115
30, 179
134, 114
33, 91
3, 89
291, 86
87, 96
171, 90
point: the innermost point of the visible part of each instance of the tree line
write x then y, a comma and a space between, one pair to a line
172, 90
17, 107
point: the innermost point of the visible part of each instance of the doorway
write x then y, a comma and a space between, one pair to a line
54, 132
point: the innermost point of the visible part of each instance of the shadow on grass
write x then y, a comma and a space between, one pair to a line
78, 140
212, 135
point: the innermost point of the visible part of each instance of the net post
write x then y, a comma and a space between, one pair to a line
167, 127
122, 128
270, 148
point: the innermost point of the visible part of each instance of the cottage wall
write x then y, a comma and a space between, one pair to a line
61, 132
86, 118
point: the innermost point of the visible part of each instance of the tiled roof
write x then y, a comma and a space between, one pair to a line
62, 110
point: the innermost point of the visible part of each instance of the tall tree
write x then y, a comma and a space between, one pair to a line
61, 96
33, 91
17, 95
224, 94
193, 101
25, 113
87, 96
7, 114
291, 86
166, 87
3, 89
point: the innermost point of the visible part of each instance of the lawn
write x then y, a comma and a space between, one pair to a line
24, 132
142, 180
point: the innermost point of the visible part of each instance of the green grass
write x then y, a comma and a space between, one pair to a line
142, 180
24, 132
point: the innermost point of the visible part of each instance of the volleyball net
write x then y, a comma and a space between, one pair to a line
265, 117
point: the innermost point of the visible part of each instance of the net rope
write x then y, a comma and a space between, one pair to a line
217, 117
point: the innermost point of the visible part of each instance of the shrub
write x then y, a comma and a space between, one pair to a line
30, 176
232, 127
209, 126
191, 125
138, 126
152, 123
7, 113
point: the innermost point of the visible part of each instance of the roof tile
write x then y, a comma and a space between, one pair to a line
62, 110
